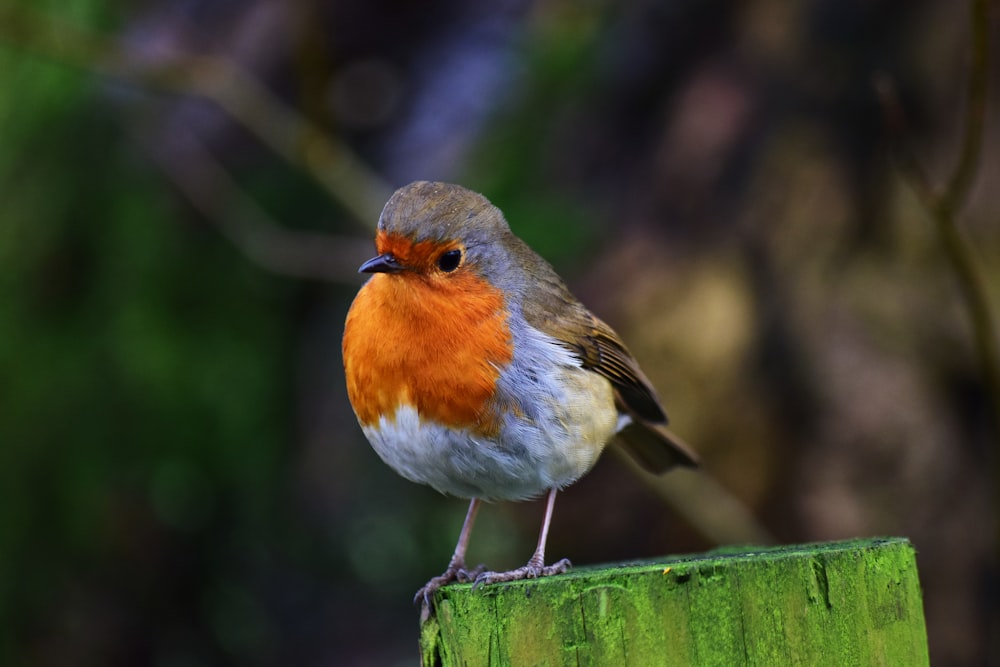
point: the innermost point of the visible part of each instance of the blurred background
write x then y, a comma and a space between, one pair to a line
749, 192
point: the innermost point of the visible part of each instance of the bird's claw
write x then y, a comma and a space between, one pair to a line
455, 572
530, 571
464, 576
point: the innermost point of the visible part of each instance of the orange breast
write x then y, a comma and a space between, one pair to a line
434, 343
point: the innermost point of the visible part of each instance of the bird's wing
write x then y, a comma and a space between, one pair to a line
553, 310
601, 350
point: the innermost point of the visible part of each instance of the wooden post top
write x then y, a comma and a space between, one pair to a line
839, 603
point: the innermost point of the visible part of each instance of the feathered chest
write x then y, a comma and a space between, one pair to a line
436, 346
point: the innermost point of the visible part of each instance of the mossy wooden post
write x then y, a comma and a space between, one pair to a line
843, 603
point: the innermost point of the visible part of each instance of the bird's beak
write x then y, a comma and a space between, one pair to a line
384, 263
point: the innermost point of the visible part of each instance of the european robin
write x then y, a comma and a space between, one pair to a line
471, 367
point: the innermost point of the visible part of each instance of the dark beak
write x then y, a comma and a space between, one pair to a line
385, 263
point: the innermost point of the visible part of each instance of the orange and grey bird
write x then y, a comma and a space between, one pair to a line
472, 369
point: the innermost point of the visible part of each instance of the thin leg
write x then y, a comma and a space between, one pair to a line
463, 537
456, 567
536, 564
538, 558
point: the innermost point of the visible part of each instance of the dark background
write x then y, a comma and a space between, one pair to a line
182, 480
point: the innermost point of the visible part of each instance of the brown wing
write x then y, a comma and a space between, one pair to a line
606, 354
601, 350
646, 438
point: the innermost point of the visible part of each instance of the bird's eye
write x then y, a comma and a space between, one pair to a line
449, 261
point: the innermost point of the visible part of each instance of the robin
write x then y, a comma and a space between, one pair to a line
472, 369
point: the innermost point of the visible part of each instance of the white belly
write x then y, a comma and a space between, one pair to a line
567, 417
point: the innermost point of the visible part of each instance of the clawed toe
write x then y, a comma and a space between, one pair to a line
529, 571
464, 576
427, 590
559, 567
455, 572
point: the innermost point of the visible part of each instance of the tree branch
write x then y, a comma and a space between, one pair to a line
945, 205
217, 79
212, 191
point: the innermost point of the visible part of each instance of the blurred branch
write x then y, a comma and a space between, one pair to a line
965, 172
217, 79
707, 505
944, 207
214, 193
945, 204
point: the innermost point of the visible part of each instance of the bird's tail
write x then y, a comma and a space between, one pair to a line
655, 447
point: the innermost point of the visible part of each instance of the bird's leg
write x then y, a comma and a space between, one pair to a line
535, 566
456, 567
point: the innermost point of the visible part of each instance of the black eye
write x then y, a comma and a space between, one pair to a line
449, 261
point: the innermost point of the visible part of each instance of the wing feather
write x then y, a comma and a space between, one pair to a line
556, 312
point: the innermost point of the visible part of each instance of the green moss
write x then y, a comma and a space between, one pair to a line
854, 602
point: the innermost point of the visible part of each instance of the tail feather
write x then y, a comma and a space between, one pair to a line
655, 447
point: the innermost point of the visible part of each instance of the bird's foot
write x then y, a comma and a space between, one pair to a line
464, 576
533, 570
456, 572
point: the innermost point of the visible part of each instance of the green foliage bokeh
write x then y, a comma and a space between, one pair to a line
142, 370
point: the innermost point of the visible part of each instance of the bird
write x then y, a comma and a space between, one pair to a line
472, 369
